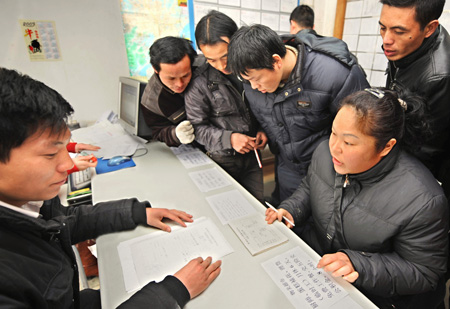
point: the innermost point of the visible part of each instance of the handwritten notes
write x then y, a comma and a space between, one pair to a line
230, 205
305, 285
209, 179
256, 234
153, 256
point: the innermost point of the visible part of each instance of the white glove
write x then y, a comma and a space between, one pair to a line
185, 132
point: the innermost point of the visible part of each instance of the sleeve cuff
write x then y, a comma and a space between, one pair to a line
71, 147
177, 289
138, 212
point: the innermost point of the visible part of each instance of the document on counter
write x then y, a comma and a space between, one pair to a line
193, 159
256, 234
153, 256
183, 148
305, 285
112, 139
230, 205
210, 179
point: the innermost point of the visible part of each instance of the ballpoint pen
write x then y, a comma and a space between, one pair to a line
257, 158
276, 210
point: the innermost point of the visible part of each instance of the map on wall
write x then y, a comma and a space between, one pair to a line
144, 21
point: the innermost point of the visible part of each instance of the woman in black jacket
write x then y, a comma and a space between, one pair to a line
379, 218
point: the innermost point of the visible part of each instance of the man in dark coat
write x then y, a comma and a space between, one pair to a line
37, 265
417, 48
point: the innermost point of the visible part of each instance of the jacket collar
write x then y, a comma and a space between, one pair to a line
418, 53
380, 170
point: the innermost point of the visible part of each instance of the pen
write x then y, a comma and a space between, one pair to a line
276, 210
257, 158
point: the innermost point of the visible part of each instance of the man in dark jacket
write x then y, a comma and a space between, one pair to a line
294, 92
37, 264
417, 48
172, 59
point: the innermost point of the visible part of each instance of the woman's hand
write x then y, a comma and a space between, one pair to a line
156, 215
339, 265
272, 215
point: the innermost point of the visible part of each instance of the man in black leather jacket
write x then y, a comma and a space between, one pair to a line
417, 48
37, 265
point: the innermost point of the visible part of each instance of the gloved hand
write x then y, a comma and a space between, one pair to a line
185, 132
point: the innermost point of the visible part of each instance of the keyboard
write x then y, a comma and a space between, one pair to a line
80, 180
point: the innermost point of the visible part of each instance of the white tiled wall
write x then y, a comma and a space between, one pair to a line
361, 33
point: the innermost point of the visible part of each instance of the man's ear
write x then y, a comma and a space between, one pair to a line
293, 28
278, 61
388, 147
154, 70
431, 27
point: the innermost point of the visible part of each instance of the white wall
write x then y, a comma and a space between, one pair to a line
92, 47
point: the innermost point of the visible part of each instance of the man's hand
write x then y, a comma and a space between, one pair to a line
156, 215
272, 215
339, 265
242, 143
185, 132
198, 274
84, 162
79, 147
261, 140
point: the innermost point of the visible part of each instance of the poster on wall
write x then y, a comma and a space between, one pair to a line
145, 21
41, 41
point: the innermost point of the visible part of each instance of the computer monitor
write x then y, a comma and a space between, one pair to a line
130, 110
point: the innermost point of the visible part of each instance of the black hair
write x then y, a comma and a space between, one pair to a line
27, 106
303, 15
212, 27
385, 114
171, 50
426, 10
252, 47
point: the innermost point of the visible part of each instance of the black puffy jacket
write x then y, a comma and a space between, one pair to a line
426, 72
298, 116
38, 267
217, 109
392, 222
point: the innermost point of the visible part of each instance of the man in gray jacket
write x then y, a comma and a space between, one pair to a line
294, 92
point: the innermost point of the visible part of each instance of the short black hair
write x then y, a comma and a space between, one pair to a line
426, 10
212, 27
385, 114
252, 47
27, 106
171, 50
303, 15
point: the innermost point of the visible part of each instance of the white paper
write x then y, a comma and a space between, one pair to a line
256, 234
270, 20
183, 149
230, 205
234, 14
305, 285
250, 17
251, 4
194, 159
284, 23
271, 5
230, 2
153, 256
112, 138
210, 179
288, 6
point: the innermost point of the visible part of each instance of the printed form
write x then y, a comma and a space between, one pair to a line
209, 179
305, 285
153, 256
